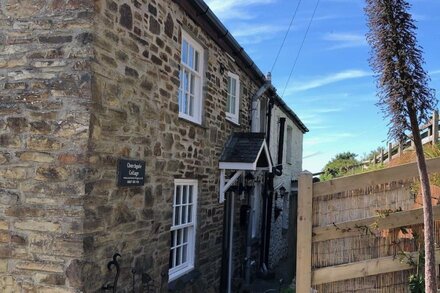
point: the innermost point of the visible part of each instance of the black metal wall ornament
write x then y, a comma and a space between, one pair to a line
114, 263
145, 283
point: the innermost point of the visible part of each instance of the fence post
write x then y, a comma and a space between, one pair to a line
390, 151
381, 155
304, 233
435, 127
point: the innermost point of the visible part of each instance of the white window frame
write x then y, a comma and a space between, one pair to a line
197, 72
175, 272
233, 117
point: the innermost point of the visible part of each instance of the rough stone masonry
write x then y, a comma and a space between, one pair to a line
82, 84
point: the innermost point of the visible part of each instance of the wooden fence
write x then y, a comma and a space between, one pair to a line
429, 133
349, 230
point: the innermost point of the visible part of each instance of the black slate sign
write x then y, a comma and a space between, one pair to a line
131, 172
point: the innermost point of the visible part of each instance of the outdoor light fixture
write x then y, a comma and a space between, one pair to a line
282, 191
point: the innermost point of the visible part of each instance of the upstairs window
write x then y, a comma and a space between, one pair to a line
233, 98
191, 80
182, 246
289, 145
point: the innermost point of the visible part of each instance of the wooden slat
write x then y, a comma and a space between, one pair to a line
304, 234
394, 220
372, 178
362, 269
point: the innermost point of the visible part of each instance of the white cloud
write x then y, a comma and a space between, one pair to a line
256, 33
345, 40
234, 9
314, 154
434, 72
328, 79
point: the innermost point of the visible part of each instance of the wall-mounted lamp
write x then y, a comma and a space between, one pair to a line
222, 68
282, 191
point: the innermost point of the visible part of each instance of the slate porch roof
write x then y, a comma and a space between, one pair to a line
246, 148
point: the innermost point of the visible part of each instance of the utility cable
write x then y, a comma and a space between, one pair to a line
300, 47
285, 36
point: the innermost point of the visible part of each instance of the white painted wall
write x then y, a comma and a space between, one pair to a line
291, 170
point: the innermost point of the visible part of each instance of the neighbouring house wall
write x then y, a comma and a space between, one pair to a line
135, 115
291, 170
45, 95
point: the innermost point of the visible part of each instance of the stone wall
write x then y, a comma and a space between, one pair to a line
135, 115
85, 83
279, 243
45, 95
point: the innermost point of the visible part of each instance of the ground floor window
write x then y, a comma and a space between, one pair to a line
183, 228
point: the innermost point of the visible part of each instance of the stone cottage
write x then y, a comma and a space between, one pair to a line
92, 88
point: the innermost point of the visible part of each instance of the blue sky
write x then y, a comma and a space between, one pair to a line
332, 88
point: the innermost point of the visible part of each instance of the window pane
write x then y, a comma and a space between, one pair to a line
184, 217
177, 216
184, 195
184, 253
189, 213
196, 61
232, 104
191, 105
191, 57
233, 87
184, 52
185, 235
179, 237
177, 197
178, 194
186, 78
178, 256
190, 194
192, 84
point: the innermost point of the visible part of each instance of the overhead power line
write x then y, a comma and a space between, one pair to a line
285, 36
300, 47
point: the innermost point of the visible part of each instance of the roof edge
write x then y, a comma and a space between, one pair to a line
223, 35
223, 38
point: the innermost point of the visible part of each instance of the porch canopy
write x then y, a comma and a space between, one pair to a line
244, 151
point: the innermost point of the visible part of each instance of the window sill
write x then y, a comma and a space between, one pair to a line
189, 118
192, 122
180, 283
233, 120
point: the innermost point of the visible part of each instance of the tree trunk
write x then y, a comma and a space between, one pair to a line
430, 277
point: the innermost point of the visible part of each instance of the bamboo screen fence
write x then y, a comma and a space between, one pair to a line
350, 230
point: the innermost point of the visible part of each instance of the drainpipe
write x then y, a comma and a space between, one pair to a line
281, 143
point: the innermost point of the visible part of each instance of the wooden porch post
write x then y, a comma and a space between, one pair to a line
304, 233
